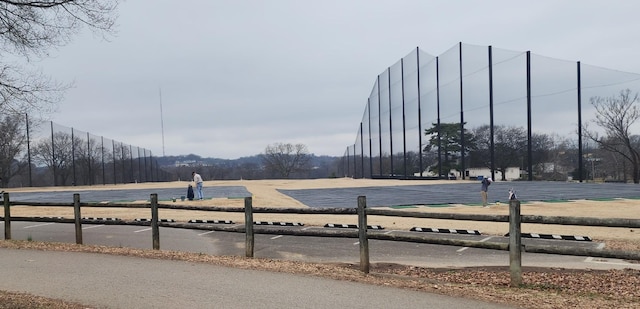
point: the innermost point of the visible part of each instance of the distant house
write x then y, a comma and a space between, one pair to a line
185, 163
512, 173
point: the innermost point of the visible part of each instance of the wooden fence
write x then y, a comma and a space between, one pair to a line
514, 218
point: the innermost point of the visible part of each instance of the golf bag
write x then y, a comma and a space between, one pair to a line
190, 194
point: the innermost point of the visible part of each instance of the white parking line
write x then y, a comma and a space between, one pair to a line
312, 228
276, 237
143, 230
465, 248
606, 261
205, 233
38, 225
92, 227
356, 243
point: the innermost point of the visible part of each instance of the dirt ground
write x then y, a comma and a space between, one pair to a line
265, 194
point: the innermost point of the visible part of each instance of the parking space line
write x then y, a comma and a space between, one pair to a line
143, 230
605, 261
92, 227
482, 240
276, 237
312, 228
205, 233
38, 225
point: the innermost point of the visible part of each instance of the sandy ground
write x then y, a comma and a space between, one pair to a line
265, 194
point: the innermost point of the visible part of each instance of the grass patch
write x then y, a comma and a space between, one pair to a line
602, 199
475, 204
438, 205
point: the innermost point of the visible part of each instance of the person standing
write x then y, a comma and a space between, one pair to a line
486, 182
198, 181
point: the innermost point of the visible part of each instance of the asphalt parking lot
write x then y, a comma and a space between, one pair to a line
462, 193
436, 194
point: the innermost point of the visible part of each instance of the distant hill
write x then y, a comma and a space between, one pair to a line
252, 167
196, 160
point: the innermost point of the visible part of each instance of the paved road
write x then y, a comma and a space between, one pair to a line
316, 249
106, 281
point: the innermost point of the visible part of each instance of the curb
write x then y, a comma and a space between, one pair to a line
101, 219
354, 226
277, 223
451, 231
159, 220
556, 237
211, 221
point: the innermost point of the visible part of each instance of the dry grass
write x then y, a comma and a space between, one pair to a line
14, 300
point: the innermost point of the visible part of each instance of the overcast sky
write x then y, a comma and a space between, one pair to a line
236, 76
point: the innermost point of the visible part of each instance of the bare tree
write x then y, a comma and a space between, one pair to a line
284, 159
510, 145
88, 160
30, 29
12, 142
57, 155
616, 115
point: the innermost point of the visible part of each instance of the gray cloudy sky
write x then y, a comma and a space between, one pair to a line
236, 76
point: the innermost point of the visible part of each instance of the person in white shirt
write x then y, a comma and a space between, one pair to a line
198, 180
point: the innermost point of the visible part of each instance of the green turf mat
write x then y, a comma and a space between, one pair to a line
438, 205
403, 206
555, 201
602, 199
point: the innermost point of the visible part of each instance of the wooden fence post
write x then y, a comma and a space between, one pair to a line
78, 218
248, 226
7, 216
515, 243
155, 231
362, 234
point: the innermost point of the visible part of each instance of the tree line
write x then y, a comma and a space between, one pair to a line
278, 161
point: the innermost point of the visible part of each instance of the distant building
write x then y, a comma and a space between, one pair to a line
185, 163
512, 173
